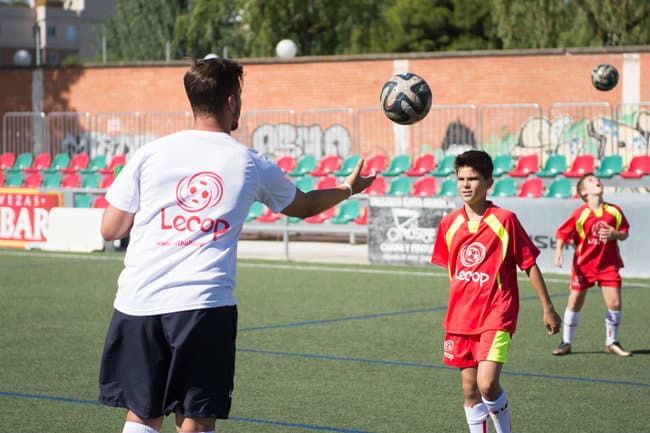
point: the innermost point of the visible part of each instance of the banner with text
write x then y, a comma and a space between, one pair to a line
24, 215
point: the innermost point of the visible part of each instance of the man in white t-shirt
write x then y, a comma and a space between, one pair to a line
183, 199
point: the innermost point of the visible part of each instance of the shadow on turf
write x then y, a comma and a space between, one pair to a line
634, 352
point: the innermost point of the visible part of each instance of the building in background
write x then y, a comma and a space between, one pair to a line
57, 29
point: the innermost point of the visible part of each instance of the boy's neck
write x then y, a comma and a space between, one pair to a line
476, 211
595, 201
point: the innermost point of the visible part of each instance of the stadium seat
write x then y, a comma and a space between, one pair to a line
41, 162
555, 165
97, 163
502, 164
304, 165
376, 161
286, 163
425, 186
327, 182
305, 183
71, 180
378, 186
7, 160
422, 165
327, 166
115, 161
526, 165
14, 179
559, 188
21, 162
2, 178
504, 188
33, 180
77, 163
445, 167
362, 220
52, 180
532, 188
347, 166
449, 188
399, 186
106, 181
610, 166
59, 162
321, 217
269, 216
91, 181
398, 165
639, 167
256, 209
347, 212
100, 202
581, 164
82, 200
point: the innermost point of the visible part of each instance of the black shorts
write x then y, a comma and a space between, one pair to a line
153, 365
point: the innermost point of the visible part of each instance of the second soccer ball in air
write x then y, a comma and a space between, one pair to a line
405, 98
604, 77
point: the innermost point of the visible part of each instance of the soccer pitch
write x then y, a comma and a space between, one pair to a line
321, 348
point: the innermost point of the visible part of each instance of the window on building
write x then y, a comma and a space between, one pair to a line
52, 58
71, 33
51, 31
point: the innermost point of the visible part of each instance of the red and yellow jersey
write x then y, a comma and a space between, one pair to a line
593, 255
482, 259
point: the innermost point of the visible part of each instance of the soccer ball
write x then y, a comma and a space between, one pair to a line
604, 77
405, 98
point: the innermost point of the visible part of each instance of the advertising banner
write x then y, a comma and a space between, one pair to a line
24, 215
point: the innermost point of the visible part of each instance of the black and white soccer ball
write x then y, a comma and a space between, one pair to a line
405, 98
604, 77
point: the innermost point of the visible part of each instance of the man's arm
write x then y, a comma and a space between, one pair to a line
316, 201
552, 320
116, 224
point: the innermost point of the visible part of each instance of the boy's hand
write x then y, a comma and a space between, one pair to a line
552, 321
607, 233
559, 259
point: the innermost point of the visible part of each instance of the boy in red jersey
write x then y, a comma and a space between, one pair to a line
595, 227
482, 245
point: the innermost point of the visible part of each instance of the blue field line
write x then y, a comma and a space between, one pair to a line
232, 418
439, 367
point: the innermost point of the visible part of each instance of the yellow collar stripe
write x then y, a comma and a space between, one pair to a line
460, 219
501, 232
616, 213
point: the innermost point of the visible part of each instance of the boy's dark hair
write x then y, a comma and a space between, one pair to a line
579, 185
209, 83
477, 159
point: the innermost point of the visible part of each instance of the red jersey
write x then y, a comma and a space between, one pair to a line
593, 255
482, 259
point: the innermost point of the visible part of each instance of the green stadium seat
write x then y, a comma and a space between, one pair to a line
449, 188
502, 164
445, 168
348, 165
305, 183
398, 165
559, 188
91, 181
23, 161
610, 166
96, 163
83, 200
14, 179
60, 162
256, 209
555, 165
305, 165
52, 180
400, 186
505, 188
347, 212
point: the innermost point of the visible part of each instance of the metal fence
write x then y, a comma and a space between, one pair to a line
570, 129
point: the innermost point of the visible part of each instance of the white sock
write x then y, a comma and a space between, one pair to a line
499, 412
477, 416
136, 427
569, 325
612, 321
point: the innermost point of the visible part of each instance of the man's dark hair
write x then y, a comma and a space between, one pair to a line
477, 159
209, 83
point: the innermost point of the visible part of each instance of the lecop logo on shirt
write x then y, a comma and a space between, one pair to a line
470, 256
194, 194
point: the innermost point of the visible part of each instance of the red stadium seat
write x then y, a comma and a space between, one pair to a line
425, 186
526, 165
327, 182
7, 160
100, 202
533, 187
286, 163
41, 162
581, 165
327, 165
33, 180
71, 180
377, 161
77, 163
424, 164
378, 187
115, 161
321, 217
107, 181
639, 167
269, 216
363, 219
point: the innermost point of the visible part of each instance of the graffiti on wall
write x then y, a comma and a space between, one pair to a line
295, 140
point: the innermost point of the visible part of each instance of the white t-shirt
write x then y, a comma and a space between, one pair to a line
190, 192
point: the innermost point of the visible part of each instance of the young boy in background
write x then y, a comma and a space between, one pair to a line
482, 245
595, 228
